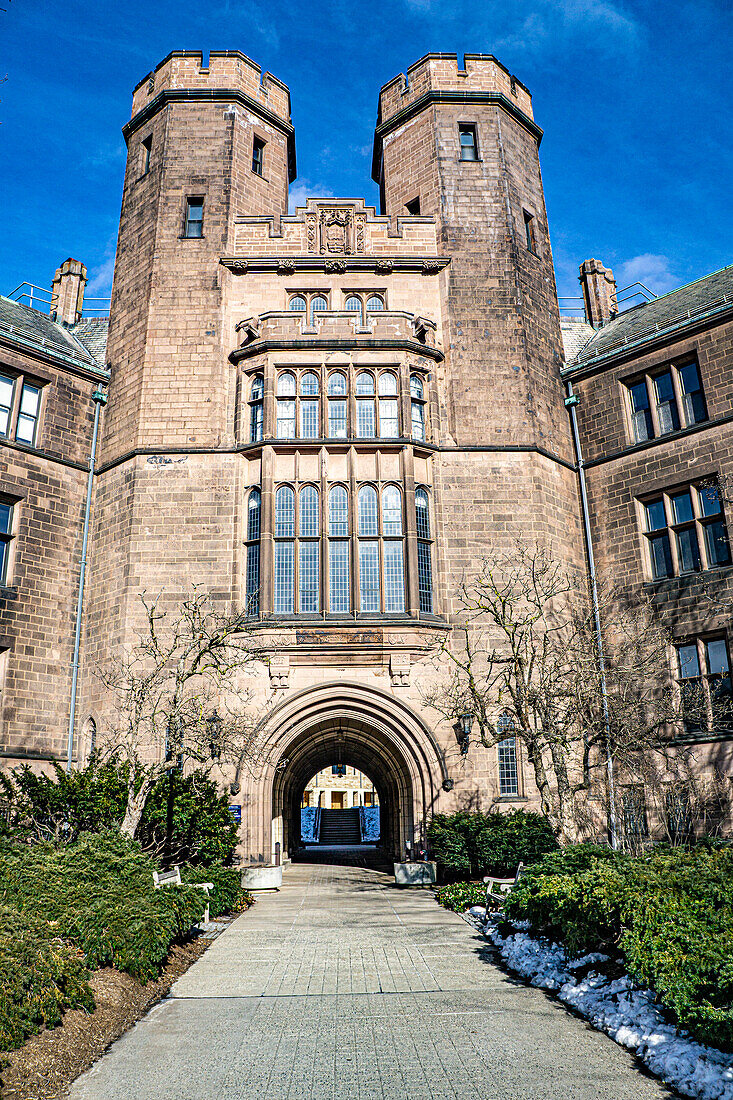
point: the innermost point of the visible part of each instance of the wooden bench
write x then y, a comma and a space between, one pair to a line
173, 878
498, 889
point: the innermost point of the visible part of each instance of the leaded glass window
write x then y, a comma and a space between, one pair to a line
424, 552
417, 401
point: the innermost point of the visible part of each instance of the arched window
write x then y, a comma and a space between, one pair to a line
339, 588
256, 396
424, 563
284, 551
353, 304
369, 582
297, 302
365, 412
374, 303
337, 406
388, 414
286, 405
318, 305
308, 551
252, 585
417, 400
310, 406
394, 568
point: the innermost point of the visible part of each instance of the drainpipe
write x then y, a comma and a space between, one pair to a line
99, 397
571, 402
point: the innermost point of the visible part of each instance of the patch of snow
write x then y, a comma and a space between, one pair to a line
623, 1010
308, 819
478, 912
370, 826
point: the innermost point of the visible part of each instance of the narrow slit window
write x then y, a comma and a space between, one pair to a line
253, 553
147, 148
6, 537
467, 139
529, 231
258, 156
194, 227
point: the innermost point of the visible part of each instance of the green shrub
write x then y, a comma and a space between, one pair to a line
227, 895
204, 832
474, 844
668, 912
41, 976
460, 896
99, 892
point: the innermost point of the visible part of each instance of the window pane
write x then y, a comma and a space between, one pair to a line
716, 543
368, 511
4, 550
692, 399
26, 428
682, 507
6, 402
418, 420
338, 511
285, 513
308, 578
394, 577
286, 384
310, 526
365, 384
423, 514
391, 511
296, 303
661, 556
318, 303
286, 420
424, 578
309, 419
709, 500
253, 515
337, 418
387, 384
416, 386
678, 813
6, 518
309, 386
689, 663
337, 384
283, 602
256, 422
669, 420
388, 423
29, 400
369, 575
365, 417
353, 304
4, 418
633, 808
374, 304
257, 391
716, 653
508, 776
656, 520
253, 579
688, 551
640, 413
338, 568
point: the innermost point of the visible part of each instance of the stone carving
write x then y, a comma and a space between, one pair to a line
336, 231
251, 329
384, 265
399, 669
335, 266
431, 267
286, 267
359, 226
420, 329
311, 223
238, 265
280, 671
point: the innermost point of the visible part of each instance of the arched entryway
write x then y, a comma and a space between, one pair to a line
360, 726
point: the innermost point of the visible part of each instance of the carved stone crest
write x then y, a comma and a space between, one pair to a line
280, 670
431, 267
335, 266
286, 267
384, 265
336, 225
399, 669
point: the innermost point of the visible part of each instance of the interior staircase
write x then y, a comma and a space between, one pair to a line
340, 827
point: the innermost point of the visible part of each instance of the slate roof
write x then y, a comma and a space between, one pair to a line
707, 296
575, 335
30, 329
92, 331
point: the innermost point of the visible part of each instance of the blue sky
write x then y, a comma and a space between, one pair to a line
633, 98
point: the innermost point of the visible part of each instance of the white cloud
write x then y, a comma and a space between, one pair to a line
303, 190
100, 280
651, 270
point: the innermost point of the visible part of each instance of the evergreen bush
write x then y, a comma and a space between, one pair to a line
460, 896
475, 844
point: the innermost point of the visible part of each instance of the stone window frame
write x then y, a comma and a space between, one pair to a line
682, 413
506, 725
146, 150
670, 543
258, 155
529, 219
189, 202
472, 129
20, 383
634, 813
693, 668
364, 296
9, 522
309, 297
253, 551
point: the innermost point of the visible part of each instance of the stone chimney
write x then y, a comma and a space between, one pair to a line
67, 292
599, 293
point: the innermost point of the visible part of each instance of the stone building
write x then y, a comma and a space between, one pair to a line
339, 787
330, 417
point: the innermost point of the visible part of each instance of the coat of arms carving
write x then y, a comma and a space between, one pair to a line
336, 231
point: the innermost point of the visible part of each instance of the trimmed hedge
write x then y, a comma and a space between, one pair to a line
474, 844
460, 896
41, 976
668, 912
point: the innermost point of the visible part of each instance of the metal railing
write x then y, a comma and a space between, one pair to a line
643, 292
41, 299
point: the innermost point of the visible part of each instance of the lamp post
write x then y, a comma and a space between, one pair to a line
214, 724
465, 724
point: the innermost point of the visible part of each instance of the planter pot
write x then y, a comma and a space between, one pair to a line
258, 877
415, 873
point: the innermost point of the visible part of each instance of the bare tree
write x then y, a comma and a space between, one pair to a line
178, 696
526, 663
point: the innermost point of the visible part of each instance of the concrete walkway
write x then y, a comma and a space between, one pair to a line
342, 985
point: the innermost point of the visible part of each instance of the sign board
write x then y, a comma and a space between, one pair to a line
236, 812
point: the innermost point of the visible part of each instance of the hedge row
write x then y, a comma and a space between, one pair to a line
669, 912
475, 844
460, 896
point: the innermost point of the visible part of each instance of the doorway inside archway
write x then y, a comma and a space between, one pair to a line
339, 808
